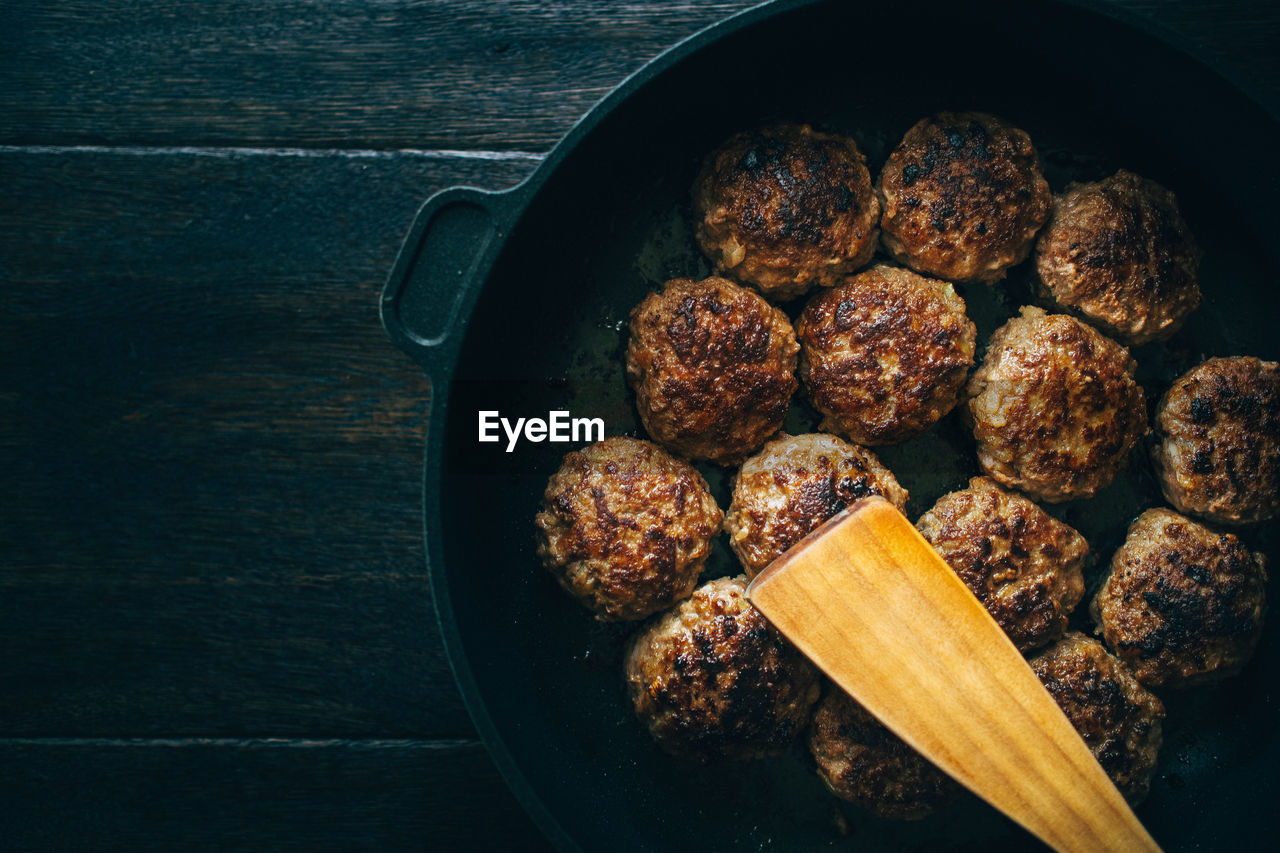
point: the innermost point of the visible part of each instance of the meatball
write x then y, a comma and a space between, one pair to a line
712, 678
625, 527
1218, 441
1026, 567
713, 368
1117, 254
885, 354
786, 207
1182, 604
863, 762
1054, 407
1117, 717
963, 197
793, 485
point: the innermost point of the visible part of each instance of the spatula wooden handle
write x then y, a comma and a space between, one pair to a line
875, 607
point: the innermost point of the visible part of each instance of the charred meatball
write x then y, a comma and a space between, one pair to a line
1117, 254
793, 485
1118, 718
712, 678
713, 368
1218, 449
625, 527
1055, 407
1183, 604
1026, 567
885, 354
963, 197
863, 762
785, 208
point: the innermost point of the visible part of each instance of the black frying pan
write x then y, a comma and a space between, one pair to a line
517, 302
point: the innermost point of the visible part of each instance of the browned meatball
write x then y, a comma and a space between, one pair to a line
625, 527
1055, 407
885, 354
863, 762
1118, 718
1218, 454
712, 678
1026, 567
963, 197
786, 207
713, 368
1117, 254
793, 485
1183, 604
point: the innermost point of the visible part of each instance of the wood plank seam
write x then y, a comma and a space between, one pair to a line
257, 741
239, 151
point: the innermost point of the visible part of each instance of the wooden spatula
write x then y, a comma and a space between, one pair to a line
875, 607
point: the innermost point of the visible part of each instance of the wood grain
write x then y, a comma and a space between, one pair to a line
257, 794
217, 453
868, 599
450, 74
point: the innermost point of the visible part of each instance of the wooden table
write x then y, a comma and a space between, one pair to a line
215, 624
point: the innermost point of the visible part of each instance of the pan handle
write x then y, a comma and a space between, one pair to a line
447, 253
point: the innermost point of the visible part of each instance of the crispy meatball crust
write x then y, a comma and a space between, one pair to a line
713, 367
885, 354
786, 207
1026, 567
1117, 254
1054, 407
1118, 718
963, 197
1182, 604
792, 485
1218, 448
625, 527
863, 762
712, 678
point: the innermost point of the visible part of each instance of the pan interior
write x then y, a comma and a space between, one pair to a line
611, 222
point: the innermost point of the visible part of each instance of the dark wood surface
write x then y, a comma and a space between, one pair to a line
215, 623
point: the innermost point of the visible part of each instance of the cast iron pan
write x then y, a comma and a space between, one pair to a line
517, 302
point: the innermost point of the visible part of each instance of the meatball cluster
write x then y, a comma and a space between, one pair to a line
786, 207
885, 354
1026, 567
963, 197
794, 484
1218, 449
1055, 407
713, 367
1117, 717
1117, 254
712, 678
1182, 604
625, 527
863, 762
